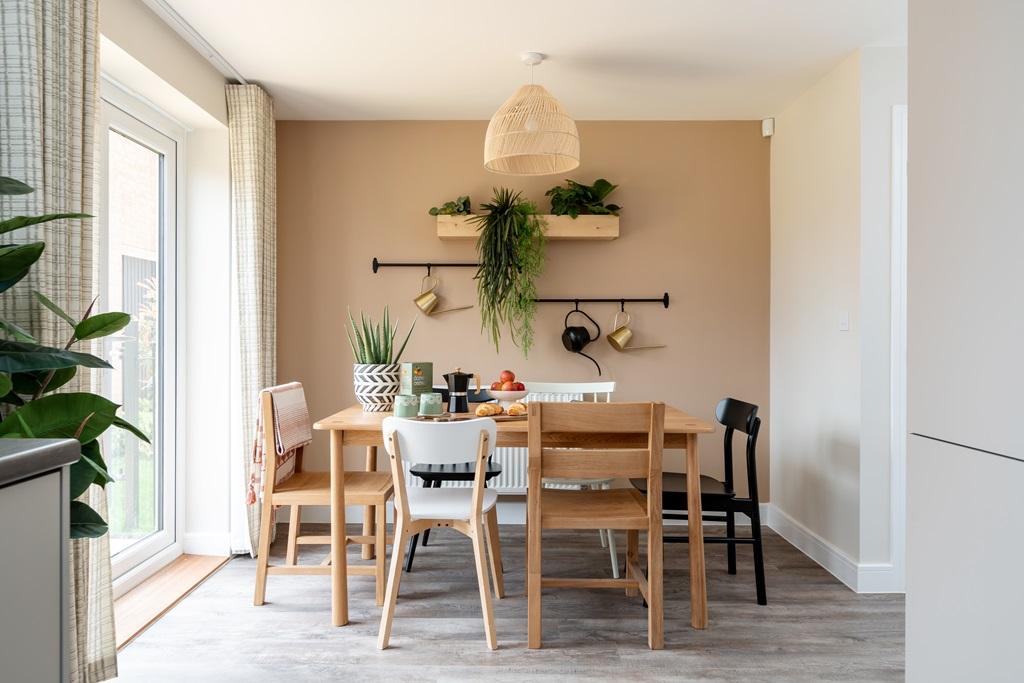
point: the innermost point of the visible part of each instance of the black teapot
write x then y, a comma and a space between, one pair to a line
575, 337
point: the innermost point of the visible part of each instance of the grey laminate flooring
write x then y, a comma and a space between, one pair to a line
813, 629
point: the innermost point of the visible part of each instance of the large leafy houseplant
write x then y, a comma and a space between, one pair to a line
30, 373
510, 249
575, 199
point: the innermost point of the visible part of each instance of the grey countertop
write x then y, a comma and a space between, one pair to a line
24, 458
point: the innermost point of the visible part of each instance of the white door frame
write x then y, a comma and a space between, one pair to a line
898, 347
137, 119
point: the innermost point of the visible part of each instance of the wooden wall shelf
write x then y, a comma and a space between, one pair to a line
559, 227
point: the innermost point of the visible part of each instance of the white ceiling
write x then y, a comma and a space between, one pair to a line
608, 59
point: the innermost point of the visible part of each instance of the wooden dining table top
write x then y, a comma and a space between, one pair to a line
510, 432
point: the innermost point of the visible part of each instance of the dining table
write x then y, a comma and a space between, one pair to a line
355, 427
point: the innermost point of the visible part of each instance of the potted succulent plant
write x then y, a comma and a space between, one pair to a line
375, 375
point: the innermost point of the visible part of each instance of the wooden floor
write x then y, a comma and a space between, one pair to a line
141, 606
813, 629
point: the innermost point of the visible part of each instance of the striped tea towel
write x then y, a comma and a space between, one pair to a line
292, 431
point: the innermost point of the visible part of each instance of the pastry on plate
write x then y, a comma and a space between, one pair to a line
516, 409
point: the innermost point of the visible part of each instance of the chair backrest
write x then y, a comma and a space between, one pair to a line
736, 415
440, 443
285, 430
630, 446
564, 392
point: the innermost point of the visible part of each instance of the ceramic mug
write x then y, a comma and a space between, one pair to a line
406, 405
427, 301
621, 334
430, 404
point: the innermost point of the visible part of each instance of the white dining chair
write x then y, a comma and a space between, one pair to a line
470, 511
566, 392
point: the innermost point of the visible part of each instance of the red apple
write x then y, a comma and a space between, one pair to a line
520, 386
508, 386
496, 386
507, 376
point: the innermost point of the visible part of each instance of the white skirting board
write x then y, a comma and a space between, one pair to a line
860, 578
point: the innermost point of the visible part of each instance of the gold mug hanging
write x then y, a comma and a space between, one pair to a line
427, 300
621, 334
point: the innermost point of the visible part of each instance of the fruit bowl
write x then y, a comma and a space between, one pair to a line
506, 398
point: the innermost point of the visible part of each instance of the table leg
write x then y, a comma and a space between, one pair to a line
698, 578
339, 563
368, 516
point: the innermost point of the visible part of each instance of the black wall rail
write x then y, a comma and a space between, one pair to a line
663, 300
429, 265
377, 265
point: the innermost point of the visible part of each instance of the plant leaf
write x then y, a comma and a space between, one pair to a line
5, 384
86, 522
101, 325
124, 424
81, 416
9, 186
45, 301
15, 259
16, 331
89, 469
25, 221
28, 383
26, 357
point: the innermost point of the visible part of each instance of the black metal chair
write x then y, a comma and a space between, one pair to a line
432, 476
720, 496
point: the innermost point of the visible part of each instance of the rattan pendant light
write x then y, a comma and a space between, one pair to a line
531, 134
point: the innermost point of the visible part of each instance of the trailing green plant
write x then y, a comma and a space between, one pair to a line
459, 207
510, 249
30, 373
374, 343
576, 198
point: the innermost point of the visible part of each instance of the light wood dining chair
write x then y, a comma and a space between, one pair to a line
567, 392
302, 489
470, 511
592, 440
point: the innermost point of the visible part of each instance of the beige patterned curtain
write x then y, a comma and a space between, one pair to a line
254, 235
48, 99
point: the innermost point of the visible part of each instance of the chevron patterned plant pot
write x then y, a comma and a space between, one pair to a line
376, 386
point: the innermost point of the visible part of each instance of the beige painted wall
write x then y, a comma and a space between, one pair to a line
815, 368
695, 223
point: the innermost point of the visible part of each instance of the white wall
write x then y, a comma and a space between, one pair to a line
815, 367
965, 471
149, 59
830, 387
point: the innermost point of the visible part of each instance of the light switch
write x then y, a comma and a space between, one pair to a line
844, 321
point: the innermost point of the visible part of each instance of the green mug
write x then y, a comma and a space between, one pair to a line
406, 405
430, 404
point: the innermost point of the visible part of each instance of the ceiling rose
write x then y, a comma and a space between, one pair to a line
531, 134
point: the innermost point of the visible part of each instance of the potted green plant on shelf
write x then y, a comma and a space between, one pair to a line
510, 249
575, 199
30, 374
458, 207
375, 374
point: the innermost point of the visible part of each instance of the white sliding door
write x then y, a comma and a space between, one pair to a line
136, 274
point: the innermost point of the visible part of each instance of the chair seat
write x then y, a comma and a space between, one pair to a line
465, 471
446, 503
608, 509
314, 488
674, 489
